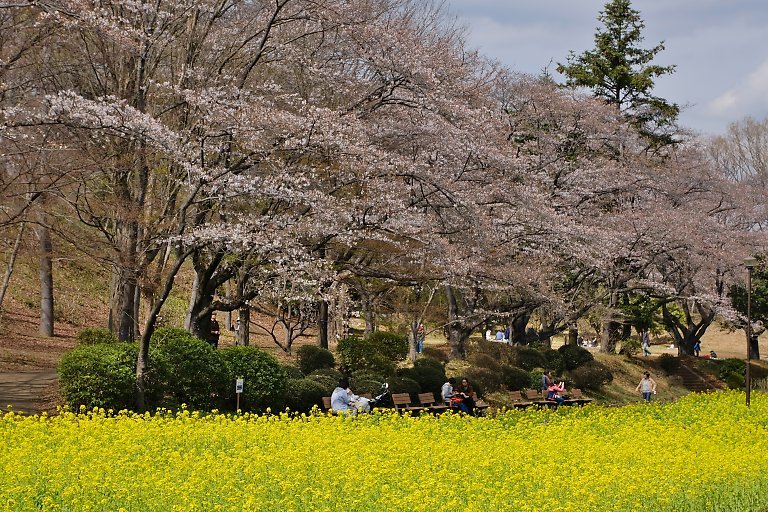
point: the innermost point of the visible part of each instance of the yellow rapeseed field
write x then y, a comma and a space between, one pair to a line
702, 453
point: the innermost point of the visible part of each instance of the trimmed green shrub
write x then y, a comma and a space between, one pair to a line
430, 374
485, 380
669, 363
95, 336
361, 386
327, 382
735, 380
403, 385
293, 372
530, 358
190, 372
574, 356
436, 353
729, 366
362, 354
328, 372
264, 378
480, 360
303, 394
101, 375
164, 334
391, 345
591, 375
312, 357
554, 360
515, 378
630, 346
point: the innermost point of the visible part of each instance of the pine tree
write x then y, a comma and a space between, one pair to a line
619, 71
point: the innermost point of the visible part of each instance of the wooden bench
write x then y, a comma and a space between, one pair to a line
535, 398
480, 405
327, 404
427, 400
518, 401
578, 398
402, 402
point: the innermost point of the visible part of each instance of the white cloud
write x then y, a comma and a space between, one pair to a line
749, 97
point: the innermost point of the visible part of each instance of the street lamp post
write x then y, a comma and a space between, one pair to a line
750, 264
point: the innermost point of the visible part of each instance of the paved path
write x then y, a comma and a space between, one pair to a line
25, 391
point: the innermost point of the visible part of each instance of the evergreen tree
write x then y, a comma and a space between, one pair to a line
621, 72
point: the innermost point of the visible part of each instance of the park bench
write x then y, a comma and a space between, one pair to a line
427, 400
480, 405
578, 398
535, 398
402, 402
518, 401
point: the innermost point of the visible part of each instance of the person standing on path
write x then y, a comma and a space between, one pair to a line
647, 386
646, 343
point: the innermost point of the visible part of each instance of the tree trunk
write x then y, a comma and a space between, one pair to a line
517, 328
11, 263
457, 331
611, 334
244, 332
370, 317
754, 348
46, 277
573, 336
322, 324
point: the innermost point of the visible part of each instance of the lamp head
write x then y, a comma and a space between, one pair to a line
750, 262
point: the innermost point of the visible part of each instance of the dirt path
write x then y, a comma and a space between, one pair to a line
28, 392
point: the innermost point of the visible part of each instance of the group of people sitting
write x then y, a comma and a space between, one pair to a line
459, 397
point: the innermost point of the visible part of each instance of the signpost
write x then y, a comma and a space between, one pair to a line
238, 390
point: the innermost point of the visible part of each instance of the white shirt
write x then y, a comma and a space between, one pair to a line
446, 391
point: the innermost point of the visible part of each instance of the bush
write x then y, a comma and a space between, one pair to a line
361, 386
328, 372
430, 374
361, 354
530, 358
591, 375
92, 336
574, 356
190, 372
163, 335
554, 361
630, 346
436, 354
293, 372
303, 394
391, 345
101, 375
312, 357
403, 385
669, 363
484, 380
265, 378
515, 378
735, 380
729, 366
326, 382
480, 360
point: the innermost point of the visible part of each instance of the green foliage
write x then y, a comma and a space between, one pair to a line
264, 378
391, 345
190, 372
554, 360
515, 378
530, 358
95, 336
759, 304
480, 360
669, 363
303, 394
404, 385
362, 354
735, 381
630, 346
485, 380
574, 356
731, 365
312, 357
591, 375
370, 386
328, 372
326, 382
100, 375
534, 378
164, 334
436, 353
429, 373
293, 372
620, 71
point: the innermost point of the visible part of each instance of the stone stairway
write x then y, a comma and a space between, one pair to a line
693, 380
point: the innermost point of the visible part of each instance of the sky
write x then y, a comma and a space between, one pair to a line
720, 47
